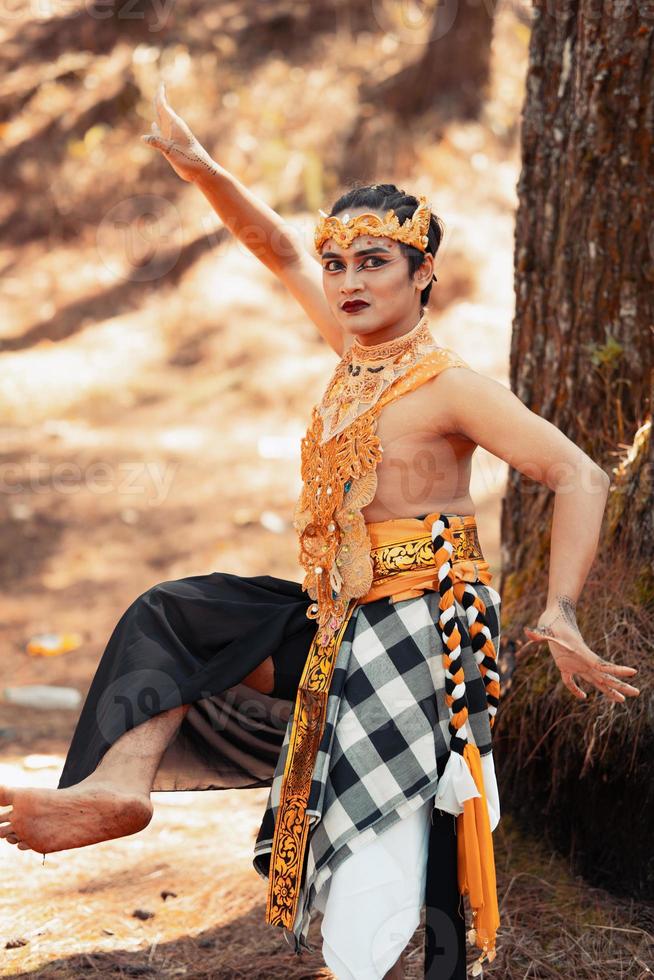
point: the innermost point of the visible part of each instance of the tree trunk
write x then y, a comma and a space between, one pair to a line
581, 356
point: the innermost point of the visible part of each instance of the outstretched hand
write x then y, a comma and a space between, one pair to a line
174, 138
573, 656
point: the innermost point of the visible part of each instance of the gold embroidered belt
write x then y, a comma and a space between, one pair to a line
403, 567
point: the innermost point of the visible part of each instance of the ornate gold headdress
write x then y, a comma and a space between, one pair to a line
412, 232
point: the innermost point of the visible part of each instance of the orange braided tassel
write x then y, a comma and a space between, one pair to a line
475, 858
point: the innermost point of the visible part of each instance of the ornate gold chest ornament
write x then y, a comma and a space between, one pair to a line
339, 457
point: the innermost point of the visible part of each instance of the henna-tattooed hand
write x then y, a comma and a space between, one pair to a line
173, 137
558, 626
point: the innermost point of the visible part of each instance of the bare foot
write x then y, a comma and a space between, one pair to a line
46, 820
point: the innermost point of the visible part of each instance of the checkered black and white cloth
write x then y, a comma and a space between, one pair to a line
386, 726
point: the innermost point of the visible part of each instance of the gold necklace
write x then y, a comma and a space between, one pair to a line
390, 348
364, 373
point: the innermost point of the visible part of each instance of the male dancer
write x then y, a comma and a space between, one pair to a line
195, 639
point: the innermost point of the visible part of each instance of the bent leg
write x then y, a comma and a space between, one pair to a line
172, 653
113, 801
204, 641
262, 678
132, 761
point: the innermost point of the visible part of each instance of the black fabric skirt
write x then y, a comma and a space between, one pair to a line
192, 641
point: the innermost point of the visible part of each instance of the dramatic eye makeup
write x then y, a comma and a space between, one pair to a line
329, 257
371, 258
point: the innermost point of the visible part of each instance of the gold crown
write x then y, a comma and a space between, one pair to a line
412, 232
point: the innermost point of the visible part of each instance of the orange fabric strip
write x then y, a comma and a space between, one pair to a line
476, 860
410, 541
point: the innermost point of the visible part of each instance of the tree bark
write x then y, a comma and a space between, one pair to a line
581, 356
582, 343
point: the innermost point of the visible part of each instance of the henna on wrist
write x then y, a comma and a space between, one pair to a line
545, 630
568, 611
197, 158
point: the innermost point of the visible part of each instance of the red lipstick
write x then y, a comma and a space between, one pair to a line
353, 306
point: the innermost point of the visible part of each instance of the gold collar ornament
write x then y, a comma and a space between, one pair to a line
412, 232
366, 371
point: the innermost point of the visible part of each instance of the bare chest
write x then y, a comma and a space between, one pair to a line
424, 466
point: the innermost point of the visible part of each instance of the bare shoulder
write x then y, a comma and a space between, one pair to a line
490, 414
462, 381
451, 389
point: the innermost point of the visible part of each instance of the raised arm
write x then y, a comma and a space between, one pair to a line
492, 416
251, 220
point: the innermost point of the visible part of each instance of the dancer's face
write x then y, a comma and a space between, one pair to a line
378, 278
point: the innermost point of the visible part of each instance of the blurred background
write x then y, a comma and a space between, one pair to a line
156, 381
